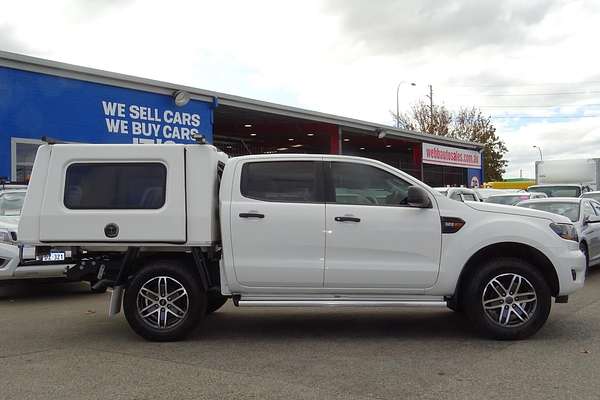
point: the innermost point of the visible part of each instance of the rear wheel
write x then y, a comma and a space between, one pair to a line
507, 299
164, 301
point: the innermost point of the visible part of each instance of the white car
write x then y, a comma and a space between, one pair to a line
595, 195
11, 202
559, 189
459, 193
511, 199
177, 230
585, 215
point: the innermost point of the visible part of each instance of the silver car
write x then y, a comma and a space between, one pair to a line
585, 215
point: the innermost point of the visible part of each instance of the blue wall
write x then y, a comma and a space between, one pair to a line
33, 105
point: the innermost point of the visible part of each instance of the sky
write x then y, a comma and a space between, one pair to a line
533, 66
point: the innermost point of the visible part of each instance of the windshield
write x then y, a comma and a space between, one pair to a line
11, 203
510, 200
569, 210
557, 191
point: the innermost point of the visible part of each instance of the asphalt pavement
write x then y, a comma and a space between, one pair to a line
56, 342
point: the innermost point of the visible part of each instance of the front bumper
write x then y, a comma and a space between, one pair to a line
570, 268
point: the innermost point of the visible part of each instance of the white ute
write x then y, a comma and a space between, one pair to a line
176, 230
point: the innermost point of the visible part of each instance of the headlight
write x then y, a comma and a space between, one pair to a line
5, 236
565, 231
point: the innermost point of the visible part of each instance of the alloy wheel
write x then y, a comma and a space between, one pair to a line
509, 300
162, 302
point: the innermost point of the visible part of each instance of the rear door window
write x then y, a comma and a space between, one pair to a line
118, 186
283, 181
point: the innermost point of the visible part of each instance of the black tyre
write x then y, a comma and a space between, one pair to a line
164, 301
507, 299
214, 301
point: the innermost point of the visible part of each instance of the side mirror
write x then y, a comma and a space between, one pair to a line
418, 197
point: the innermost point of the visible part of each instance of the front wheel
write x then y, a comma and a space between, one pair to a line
507, 299
164, 301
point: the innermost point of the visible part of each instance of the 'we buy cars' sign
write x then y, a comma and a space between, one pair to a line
452, 156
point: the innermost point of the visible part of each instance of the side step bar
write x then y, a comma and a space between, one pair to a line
338, 303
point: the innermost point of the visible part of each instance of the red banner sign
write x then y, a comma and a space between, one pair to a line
452, 156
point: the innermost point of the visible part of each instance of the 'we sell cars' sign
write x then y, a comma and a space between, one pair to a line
452, 156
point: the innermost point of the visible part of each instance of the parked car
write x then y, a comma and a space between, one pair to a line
513, 198
595, 195
585, 215
559, 190
11, 203
458, 193
177, 230
484, 193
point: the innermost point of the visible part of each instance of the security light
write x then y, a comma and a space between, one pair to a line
253, 134
346, 140
291, 139
181, 98
247, 125
310, 134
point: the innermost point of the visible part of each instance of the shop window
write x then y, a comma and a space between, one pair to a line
24, 152
115, 186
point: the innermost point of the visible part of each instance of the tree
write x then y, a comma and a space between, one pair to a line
466, 124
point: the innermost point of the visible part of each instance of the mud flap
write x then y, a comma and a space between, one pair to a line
116, 299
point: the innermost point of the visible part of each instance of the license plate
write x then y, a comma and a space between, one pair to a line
54, 256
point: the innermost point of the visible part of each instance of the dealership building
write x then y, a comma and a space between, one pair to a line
68, 103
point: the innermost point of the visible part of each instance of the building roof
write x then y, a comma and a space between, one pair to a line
39, 65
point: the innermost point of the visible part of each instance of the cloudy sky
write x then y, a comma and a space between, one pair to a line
532, 65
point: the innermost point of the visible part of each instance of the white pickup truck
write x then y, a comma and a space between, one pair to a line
176, 230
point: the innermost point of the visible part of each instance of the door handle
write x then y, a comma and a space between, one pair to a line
347, 219
251, 215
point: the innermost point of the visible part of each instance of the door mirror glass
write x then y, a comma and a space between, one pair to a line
418, 197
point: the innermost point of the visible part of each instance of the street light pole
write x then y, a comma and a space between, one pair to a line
540, 150
398, 102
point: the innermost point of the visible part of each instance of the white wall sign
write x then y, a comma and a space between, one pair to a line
452, 156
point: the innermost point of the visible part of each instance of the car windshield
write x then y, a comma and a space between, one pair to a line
11, 203
557, 191
510, 200
567, 209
